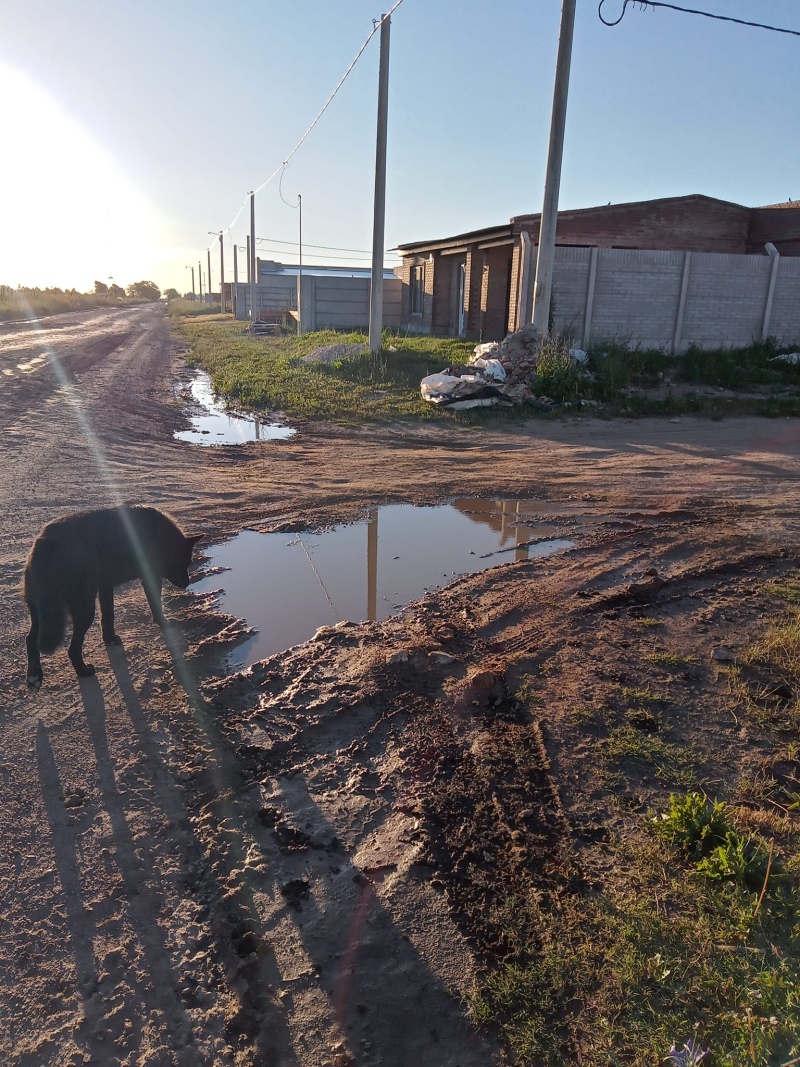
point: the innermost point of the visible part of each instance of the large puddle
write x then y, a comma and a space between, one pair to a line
212, 424
288, 585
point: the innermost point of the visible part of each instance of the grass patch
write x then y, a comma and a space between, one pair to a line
617, 977
788, 590
672, 659
629, 745
268, 373
181, 306
635, 695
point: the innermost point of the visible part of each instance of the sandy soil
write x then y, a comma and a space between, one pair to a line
289, 866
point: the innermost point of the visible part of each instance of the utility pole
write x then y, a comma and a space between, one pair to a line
300, 272
248, 259
221, 272
200, 279
219, 233
379, 218
543, 286
192, 270
252, 260
235, 279
208, 276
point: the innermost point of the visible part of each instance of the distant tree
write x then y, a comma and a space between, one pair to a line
116, 291
171, 294
100, 289
144, 291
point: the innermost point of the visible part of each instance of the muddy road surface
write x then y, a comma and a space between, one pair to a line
290, 866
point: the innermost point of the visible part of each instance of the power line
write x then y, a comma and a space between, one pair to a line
376, 24
319, 255
644, 4
333, 248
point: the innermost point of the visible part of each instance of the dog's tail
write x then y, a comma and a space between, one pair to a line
44, 594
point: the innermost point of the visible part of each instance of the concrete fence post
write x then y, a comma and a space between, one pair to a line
589, 306
524, 279
772, 277
680, 313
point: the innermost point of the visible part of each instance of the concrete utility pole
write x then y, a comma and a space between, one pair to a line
235, 279
379, 218
219, 233
543, 286
208, 276
221, 272
300, 271
200, 278
251, 259
192, 270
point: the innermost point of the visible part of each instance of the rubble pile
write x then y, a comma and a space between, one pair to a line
500, 372
517, 354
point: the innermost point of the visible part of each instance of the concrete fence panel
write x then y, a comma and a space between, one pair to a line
636, 296
671, 300
328, 302
784, 324
725, 300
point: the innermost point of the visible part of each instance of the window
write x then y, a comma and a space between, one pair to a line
417, 289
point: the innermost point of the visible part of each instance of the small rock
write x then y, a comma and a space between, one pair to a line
723, 655
397, 657
443, 657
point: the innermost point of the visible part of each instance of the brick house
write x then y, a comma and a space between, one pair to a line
475, 284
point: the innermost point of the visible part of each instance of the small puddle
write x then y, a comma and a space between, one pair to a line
213, 425
287, 585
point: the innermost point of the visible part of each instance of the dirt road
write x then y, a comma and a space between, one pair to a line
267, 869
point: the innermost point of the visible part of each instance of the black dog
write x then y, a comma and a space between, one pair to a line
80, 556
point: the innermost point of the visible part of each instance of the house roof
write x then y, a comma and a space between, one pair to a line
498, 233
490, 233
786, 204
627, 204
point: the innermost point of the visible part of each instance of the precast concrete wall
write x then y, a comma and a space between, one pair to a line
328, 303
672, 300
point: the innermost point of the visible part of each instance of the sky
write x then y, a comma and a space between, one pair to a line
132, 130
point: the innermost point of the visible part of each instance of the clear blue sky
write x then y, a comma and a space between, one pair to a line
131, 130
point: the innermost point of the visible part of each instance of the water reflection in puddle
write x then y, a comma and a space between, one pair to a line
288, 585
216, 426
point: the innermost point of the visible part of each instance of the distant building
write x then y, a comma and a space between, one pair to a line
333, 297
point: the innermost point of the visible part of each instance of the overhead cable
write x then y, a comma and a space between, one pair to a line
644, 4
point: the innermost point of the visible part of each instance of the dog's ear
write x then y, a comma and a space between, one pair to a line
192, 541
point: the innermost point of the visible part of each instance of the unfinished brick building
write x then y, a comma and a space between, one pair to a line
475, 284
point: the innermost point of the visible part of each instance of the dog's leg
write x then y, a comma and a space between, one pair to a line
107, 615
82, 612
152, 590
34, 674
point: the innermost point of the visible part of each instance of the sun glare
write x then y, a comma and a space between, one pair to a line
69, 215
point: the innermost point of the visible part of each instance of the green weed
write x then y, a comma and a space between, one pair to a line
671, 762
671, 659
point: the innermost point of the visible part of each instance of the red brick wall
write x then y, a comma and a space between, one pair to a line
420, 322
688, 224
781, 226
495, 293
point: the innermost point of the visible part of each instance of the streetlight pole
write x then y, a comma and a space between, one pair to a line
208, 276
545, 258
